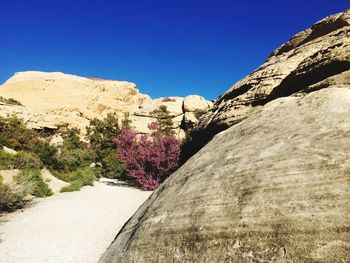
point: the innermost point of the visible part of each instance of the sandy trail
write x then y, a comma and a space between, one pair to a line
68, 227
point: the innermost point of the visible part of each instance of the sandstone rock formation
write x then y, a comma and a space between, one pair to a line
273, 188
51, 99
275, 185
312, 59
313, 56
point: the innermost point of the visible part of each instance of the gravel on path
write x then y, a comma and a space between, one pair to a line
73, 227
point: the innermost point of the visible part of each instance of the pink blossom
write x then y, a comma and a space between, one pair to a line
149, 159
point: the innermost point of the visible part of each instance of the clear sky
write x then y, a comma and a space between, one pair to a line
166, 47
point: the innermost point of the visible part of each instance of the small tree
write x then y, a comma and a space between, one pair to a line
149, 160
164, 120
101, 134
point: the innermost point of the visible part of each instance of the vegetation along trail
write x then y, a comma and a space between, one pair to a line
69, 227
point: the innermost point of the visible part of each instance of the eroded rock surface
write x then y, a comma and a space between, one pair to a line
300, 65
273, 188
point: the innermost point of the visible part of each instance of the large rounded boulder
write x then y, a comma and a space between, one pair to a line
273, 188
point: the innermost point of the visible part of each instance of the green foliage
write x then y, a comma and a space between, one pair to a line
73, 186
167, 99
110, 165
23, 160
33, 178
79, 178
10, 101
126, 122
69, 160
72, 155
71, 137
46, 153
15, 135
6, 160
100, 134
12, 197
164, 120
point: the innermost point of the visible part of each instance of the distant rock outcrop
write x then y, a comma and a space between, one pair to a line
275, 185
51, 99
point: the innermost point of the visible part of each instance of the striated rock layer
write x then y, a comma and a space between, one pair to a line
273, 188
310, 60
54, 98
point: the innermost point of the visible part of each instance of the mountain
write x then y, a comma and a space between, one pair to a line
50, 99
274, 184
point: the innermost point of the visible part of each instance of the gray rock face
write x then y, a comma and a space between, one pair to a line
273, 188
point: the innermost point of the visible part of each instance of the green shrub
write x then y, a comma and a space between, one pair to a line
164, 120
10, 101
73, 186
6, 160
167, 99
46, 153
26, 160
79, 178
15, 135
33, 177
12, 197
111, 166
101, 134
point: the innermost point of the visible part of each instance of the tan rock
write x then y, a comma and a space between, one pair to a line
51, 99
194, 102
56, 140
273, 188
9, 150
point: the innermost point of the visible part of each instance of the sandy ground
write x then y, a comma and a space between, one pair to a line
68, 227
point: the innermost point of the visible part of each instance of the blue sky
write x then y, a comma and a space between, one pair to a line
166, 47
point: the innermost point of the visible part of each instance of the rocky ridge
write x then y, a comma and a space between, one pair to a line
310, 60
54, 98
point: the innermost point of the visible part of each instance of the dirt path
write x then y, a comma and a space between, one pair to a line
69, 227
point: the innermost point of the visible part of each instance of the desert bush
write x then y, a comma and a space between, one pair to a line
23, 160
73, 186
167, 99
100, 134
79, 178
111, 166
72, 155
34, 179
6, 160
10, 101
71, 137
149, 160
12, 197
69, 160
164, 121
14, 134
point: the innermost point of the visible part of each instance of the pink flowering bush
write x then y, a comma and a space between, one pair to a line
148, 159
